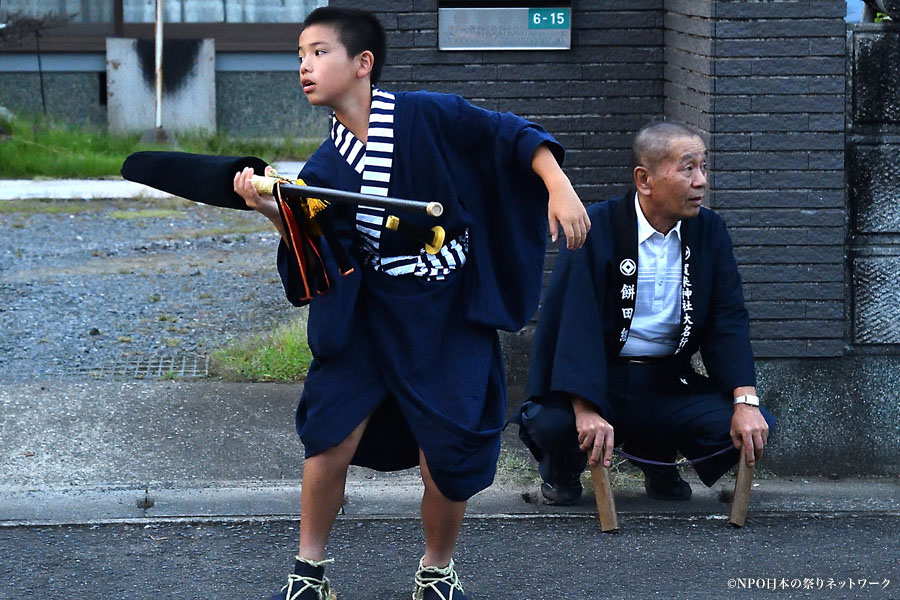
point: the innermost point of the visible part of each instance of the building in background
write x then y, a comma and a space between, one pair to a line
255, 49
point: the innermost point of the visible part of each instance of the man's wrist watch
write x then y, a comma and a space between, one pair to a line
748, 399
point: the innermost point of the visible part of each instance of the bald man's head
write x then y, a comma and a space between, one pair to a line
653, 142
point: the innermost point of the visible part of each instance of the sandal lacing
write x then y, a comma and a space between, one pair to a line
432, 577
297, 584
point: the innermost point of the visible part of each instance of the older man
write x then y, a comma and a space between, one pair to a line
655, 282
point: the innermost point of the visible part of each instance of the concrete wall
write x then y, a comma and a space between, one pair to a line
188, 95
873, 148
71, 97
76, 91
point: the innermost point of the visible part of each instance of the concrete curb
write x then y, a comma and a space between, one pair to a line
400, 499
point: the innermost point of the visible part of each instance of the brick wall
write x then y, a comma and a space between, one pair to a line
765, 81
592, 97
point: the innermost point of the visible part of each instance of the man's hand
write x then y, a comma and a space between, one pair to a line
564, 208
749, 431
594, 433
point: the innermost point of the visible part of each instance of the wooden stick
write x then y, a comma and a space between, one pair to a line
741, 500
606, 504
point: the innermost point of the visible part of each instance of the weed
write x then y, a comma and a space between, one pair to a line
513, 467
150, 213
279, 355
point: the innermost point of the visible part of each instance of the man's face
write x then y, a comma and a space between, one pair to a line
677, 183
327, 72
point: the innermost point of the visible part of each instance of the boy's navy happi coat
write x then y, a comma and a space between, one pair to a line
423, 355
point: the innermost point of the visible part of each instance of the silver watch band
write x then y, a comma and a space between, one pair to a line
748, 399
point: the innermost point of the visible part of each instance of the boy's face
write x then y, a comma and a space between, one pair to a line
327, 72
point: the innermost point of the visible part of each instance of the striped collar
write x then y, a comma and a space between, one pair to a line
379, 136
373, 161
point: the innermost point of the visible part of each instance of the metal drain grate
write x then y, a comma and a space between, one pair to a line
177, 366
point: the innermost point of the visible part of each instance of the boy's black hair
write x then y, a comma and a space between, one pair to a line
358, 30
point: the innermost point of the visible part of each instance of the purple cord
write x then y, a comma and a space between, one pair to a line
680, 463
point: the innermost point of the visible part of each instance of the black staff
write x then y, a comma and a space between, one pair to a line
264, 185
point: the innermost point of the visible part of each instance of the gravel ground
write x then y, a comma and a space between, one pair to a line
90, 283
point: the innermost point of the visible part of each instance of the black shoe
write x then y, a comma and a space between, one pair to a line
561, 494
664, 483
433, 583
307, 582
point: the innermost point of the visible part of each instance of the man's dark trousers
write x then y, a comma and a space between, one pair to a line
655, 409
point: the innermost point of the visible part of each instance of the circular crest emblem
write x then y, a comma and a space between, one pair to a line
687, 253
627, 267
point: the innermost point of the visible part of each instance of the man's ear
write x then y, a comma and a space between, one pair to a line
642, 180
365, 62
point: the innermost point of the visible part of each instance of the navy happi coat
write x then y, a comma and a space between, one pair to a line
586, 313
423, 355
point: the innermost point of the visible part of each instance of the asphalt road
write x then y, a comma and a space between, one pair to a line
498, 558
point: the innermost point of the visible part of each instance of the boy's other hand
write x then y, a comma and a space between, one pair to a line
566, 210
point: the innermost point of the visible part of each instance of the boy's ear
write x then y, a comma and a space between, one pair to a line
642, 180
365, 60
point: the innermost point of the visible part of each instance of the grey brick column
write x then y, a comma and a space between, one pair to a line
765, 82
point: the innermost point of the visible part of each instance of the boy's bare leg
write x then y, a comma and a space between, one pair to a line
322, 493
441, 520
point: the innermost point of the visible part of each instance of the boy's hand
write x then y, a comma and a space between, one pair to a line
566, 210
243, 187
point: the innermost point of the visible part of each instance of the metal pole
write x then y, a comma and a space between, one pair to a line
37, 43
159, 52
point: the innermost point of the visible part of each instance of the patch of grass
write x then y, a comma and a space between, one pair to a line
237, 229
280, 355
39, 146
35, 207
513, 467
149, 213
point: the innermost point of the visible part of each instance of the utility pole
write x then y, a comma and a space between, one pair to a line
157, 134
159, 66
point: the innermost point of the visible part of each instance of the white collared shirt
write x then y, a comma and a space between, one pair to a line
657, 309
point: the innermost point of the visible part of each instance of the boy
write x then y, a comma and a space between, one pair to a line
407, 366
